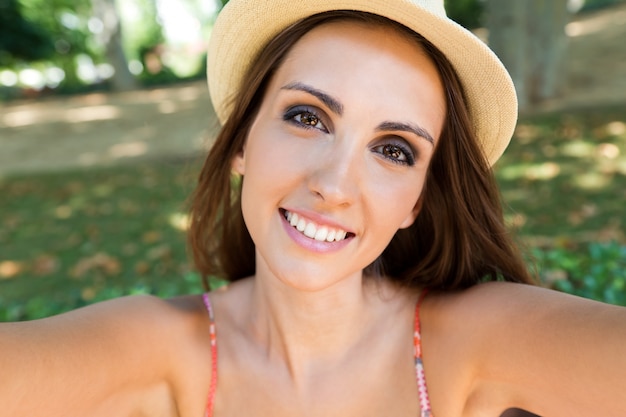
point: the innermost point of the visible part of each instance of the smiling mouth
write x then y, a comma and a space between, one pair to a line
312, 230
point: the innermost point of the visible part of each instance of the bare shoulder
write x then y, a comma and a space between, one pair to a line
140, 317
177, 332
527, 346
495, 300
132, 350
491, 311
183, 313
137, 319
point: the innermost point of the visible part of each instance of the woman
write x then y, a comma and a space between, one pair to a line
360, 221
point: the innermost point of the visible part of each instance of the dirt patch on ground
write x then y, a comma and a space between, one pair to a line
103, 129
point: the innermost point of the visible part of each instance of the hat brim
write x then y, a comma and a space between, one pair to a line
244, 27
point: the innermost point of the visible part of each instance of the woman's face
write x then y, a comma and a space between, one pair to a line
336, 159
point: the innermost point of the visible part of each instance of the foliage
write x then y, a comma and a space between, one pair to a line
142, 38
47, 34
20, 38
600, 273
65, 22
467, 13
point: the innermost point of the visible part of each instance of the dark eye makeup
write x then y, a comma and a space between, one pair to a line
396, 152
394, 149
306, 117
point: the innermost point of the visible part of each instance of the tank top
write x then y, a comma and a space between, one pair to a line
417, 344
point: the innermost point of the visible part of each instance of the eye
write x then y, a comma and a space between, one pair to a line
305, 117
396, 153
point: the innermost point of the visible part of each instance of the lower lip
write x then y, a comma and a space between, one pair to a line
312, 244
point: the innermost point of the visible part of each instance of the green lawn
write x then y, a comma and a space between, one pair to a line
71, 238
564, 177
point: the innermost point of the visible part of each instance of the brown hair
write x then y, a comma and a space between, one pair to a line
459, 238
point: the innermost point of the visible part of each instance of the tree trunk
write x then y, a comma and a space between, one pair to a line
111, 37
529, 37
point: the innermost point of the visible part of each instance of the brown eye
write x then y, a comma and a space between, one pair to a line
392, 151
396, 153
309, 119
305, 117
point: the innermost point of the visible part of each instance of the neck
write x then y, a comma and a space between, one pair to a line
316, 329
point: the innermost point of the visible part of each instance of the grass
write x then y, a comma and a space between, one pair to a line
564, 177
72, 238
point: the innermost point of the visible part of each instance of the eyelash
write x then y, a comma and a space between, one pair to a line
405, 150
292, 113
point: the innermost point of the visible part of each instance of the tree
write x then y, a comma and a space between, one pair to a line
529, 37
111, 38
20, 39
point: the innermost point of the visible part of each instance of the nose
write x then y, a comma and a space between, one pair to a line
336, 173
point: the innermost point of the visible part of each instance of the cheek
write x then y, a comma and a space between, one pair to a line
269, 165
398, 199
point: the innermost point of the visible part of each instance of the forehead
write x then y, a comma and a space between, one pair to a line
357, 40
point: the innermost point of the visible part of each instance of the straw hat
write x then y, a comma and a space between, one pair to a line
244, 27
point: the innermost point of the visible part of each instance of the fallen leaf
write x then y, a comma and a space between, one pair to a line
159, 253
10, 269
45, 265
100, 262
88, 293
151, 236
142, 267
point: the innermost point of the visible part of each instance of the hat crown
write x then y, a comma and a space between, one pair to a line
434, 6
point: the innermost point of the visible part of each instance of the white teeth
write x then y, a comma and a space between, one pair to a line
321, 234
310, 230
313, 231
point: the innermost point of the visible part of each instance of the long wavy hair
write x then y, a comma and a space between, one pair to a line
459, 238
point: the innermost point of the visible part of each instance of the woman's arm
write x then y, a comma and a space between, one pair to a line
547, 352
115, 358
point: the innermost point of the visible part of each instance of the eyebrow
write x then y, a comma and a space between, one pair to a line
406, 127
332, 103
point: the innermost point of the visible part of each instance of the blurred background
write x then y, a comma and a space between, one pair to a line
105, 117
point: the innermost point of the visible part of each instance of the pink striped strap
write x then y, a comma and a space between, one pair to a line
419, 364
211, 396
